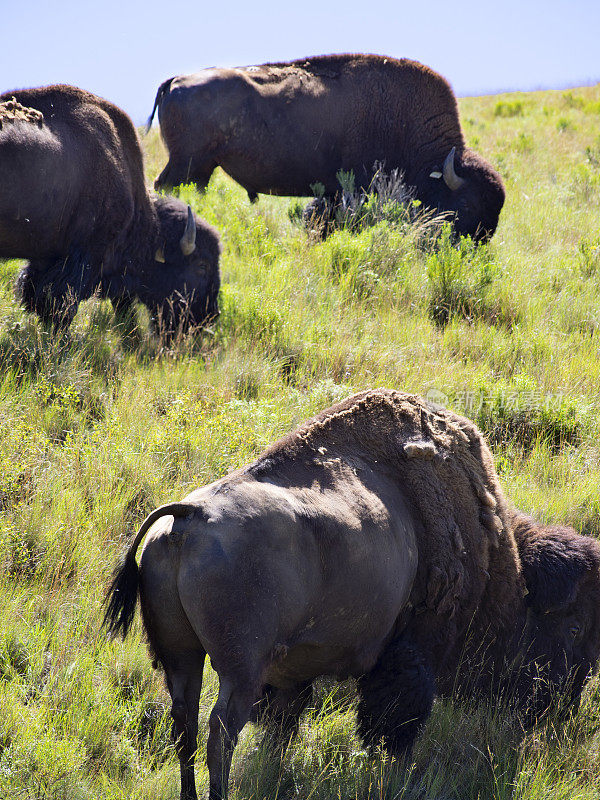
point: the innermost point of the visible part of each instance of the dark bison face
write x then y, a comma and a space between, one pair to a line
186, 267
469, 190
560, 645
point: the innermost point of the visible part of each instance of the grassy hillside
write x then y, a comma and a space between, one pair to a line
103, 423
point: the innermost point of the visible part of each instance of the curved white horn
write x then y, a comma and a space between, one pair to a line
188, 240
451, 179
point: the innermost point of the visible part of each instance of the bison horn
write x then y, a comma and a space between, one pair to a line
188, 240
160, 255
451, 179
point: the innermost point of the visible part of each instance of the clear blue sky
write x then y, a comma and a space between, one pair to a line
124, 50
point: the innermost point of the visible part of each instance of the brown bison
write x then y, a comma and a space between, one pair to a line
374, 542
73, 201
282, 128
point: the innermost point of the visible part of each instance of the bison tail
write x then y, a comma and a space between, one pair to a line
122, 594
164, 87
121, 597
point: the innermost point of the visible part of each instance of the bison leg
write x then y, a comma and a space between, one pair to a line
229, 715
185, 687
53, 288
395, 698
280, 710
185, 171
174, 644
37, 296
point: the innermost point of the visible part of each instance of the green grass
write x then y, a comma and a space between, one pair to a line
104, 422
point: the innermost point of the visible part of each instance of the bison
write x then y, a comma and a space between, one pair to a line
74, 202
375, 542
282, 128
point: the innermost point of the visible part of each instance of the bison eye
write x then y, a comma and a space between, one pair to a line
575, 631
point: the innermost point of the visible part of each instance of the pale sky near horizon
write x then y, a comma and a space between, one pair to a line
124, 50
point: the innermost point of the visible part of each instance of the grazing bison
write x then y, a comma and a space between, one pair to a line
281, 128
374, 542
74, 202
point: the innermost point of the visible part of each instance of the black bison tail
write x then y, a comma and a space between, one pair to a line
395, 698
122, 594
164, 87
121, 597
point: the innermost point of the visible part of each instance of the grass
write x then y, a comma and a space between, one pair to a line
104, 422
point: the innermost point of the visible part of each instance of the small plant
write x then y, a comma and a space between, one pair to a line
524, 143
592, 153
247, 385
14, 657
49, 393
586, 183
459, 276
388, 199
571, 100
522, 425
564, 124
346, 181
588, 256
296, 211
20, 553
16, 483
507, 108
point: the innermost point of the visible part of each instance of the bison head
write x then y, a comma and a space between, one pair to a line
469, 190
559, 644
185, 272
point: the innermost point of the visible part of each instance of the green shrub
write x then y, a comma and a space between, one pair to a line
14, 657
508, 108
460, 276
592, 153
388, 200
585, 183
252, 316
588, 256
524, 427
572, 101
564, 124
524, 143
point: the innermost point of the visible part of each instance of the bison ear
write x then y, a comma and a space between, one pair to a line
554, 562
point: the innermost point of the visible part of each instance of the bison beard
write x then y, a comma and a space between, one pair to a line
395, 698
373, 542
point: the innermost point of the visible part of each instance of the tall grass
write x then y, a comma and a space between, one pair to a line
107, 420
